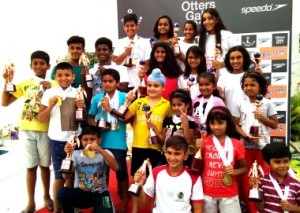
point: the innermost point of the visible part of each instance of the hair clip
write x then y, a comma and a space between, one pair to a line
218, 110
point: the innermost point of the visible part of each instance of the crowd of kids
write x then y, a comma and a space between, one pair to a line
202, 104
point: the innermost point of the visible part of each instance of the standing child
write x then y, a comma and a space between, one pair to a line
189, 32
172, 186
58, 107
164, 29
253, 84
281, 192
159, 109
33, 133
223, 160
195, 64
113, 139
90, 165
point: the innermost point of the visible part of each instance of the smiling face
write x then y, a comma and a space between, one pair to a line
193, 60
218, 128
103, 53
209, 22
175, 158
130, 28
154, 89
178, 106
236, 61
251, 88
280, 166
64, 77
160, 54
75, 50
206, 87
189, 33
39, 67
163, 26
109, 84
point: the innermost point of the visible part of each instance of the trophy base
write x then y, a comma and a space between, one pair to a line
254, 131
88, 78
66, 166
9, 87
196, 166
135, 189
80, 115
121, 112
142, 91
255, 195
103, 125
153, 140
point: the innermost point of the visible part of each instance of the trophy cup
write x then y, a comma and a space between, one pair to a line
102, 123
256, 57
196, 165
80, 112
254, 194
153, 139
176, 47
142, 87
9, 70
255, 128
84, 61
67, 163
153, 40
129, 60
121, 112
135, 188
190, 82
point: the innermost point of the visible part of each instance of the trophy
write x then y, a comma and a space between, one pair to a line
129, 60
84, 61
67, 163
196, 165
255, 128
80, 112
135, 188
142, 87
190, 82
153, 139
256, 57
254, 194
59, 60
121, 112
9, 70
176, 47
153, 40
102, 123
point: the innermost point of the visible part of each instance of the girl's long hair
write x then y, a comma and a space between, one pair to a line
198, 53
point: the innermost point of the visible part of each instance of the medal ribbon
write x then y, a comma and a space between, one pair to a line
210, 103
279, 191
228, 148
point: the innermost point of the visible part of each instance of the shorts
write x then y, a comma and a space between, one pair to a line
120, 156
37, 148
221, 204
139, 155
57, 154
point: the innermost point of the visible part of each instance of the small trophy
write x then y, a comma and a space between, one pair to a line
129, 60
59, 60
84, 61
256, 57
102, 123
67, 163
153, 40
176, 47
255, 128
80, 113
196, 165
142, 87
153, 139
9, 70
135, 188
190, 82
254, 194
121, 112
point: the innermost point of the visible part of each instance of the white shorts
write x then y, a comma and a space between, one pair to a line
37, 148
221, 204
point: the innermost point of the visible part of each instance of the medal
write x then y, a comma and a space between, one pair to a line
226, 180
114, 126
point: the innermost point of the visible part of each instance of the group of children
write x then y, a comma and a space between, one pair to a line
204, 98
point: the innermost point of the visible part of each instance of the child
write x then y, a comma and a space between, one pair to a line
223, 160
33, 133
163, 58
212, 33
103, 52
108, 100
189, 32
274, 184
180, 123
253, 84
164, 29
133, 46
172, 186
195, 64
58, 107
159, 109
90, 165
207, 100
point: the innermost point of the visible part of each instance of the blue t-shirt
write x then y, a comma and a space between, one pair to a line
112, 139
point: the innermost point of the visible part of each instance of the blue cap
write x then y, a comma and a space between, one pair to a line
157, 76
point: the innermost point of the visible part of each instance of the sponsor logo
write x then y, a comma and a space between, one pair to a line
273, 53
262, 40
277, 140
279, 39
264, 65
277, 78
262, 8
279, 131
249, 41
267, 77
277, 91
279, 66
281, 116
278, 103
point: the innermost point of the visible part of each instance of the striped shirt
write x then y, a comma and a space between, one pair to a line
271, 197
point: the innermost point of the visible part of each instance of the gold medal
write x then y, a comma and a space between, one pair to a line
59, 101
226, 180
89, 153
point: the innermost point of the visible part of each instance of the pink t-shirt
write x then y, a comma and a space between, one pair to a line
213, 169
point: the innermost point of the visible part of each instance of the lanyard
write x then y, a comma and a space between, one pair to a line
228, 148
279, 191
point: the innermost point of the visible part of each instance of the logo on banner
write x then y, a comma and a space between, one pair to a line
249, 41
267, 77
277, 91
279, 78
280, 39
195, 9
273, 53
279, 131
263, 40
262, 8
281, 116
279, 66
277, 139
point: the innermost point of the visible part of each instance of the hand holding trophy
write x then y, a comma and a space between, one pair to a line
190, 82
255, 129
254, 194
122, 110
196, 165
176, 47
8, 74
153, 139
84, 61
102, 123
80, 112
67, 163
128, 50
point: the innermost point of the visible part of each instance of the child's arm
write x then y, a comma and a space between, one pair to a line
197, 207
241, 168
44, 113
140, 178
270, 121
286, 206
260, 205
187, 132
91, 120
7, 98
239, 130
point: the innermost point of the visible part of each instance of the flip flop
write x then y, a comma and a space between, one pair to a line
49, 205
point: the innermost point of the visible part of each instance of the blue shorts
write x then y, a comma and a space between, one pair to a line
57, 155
120, 156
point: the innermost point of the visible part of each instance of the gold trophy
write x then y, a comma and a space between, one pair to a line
9, 70
196, 165
80, 113
255, 128
84, 61
129, 61
254, 194
67, 163
153, 139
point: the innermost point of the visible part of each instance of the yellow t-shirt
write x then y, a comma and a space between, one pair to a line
30, 90
141, 133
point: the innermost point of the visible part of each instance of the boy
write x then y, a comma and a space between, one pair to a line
104, 51
90, 165
175, 189
278, 157
159, 109
139, 51
33, 133
113, 139
58, 107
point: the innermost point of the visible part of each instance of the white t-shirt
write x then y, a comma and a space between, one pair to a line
121, 69
183, 48
194, 89
173, 194
141, 52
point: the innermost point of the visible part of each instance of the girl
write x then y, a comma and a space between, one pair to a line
223, 160
209, 98
180, 123
164, 29
189, 32
195, 64
163, 58
212, 33
253, 84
